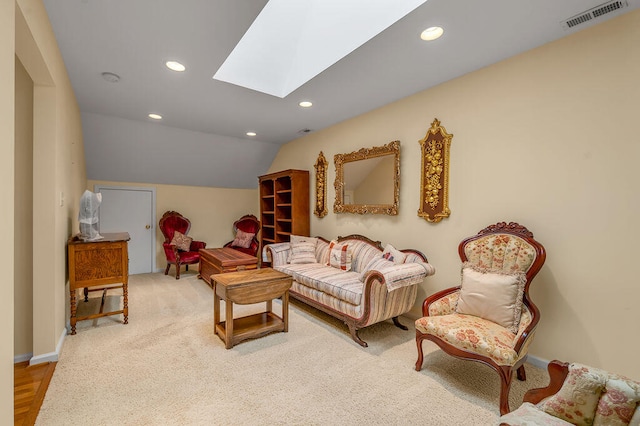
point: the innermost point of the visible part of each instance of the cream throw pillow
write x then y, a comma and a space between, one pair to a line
496, 297
303, 252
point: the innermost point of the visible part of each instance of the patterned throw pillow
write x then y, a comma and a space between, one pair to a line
181, 241
496, 297
618, 402
339, 256
243, 239
393, 254
303, 252
577, 399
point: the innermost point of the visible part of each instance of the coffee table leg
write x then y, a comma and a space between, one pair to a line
269, 305
228, 330
285, 310
216, 312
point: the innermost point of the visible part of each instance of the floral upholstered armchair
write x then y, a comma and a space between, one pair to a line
489, 318
246, 229
579, 395
179, 248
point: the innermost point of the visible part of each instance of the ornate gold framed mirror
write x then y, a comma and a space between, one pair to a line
368, 180
434, 180
321, 186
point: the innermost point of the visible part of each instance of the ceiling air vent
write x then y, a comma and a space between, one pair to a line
594, 13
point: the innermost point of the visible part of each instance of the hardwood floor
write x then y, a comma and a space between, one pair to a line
30, 384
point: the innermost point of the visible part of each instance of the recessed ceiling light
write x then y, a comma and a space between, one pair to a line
305, 104
155, 116
175, 66
431, 33
251, 133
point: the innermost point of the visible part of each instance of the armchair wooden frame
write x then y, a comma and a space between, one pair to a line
504, 371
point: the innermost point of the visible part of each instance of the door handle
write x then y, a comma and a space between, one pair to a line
148, 227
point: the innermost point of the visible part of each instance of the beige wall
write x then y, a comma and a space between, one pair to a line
23, 223
547, 139
211, 211
58, 172
7, 125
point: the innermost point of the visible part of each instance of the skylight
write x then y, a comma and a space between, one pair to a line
292, 41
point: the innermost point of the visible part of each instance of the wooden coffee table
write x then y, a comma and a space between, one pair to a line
221, 260
244, 288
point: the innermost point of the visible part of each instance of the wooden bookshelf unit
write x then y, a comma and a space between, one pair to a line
284, 205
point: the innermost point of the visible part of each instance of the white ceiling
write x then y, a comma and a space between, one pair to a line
201, 139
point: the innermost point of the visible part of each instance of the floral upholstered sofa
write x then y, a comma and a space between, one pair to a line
352, 278
579, 395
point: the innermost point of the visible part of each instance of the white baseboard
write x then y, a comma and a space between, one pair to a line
538, 362
22, 358
51, 356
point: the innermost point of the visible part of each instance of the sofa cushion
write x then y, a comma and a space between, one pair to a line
495, 297
339, 284
181, 241
361, 254
529, 415
618, 402
577, 399
339, 256
303, 252
393, 254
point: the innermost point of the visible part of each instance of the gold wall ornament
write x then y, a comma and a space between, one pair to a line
321, 186
368, 180
434, 181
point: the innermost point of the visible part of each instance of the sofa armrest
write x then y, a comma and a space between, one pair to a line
278, 253
557, 373
402, 275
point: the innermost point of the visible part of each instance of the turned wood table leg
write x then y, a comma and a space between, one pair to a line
125, 302
72, 319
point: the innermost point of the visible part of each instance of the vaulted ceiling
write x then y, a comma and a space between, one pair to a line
201, 139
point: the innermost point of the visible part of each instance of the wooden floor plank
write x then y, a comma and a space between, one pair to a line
30, 387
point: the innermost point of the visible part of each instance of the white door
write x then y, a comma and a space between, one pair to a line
132, 210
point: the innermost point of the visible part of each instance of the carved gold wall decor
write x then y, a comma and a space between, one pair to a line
434, 182
368, 180
321, 186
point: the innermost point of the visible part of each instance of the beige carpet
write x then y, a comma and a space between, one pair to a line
166, 367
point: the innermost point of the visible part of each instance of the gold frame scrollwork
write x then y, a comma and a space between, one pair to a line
392, 148
321, 186
434, 179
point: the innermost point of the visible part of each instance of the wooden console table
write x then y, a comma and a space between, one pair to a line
102, 263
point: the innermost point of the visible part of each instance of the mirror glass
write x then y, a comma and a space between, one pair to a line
368, 180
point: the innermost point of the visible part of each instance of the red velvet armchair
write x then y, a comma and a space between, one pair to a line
171, 222
246, 229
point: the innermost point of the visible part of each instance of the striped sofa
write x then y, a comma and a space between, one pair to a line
370, 291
